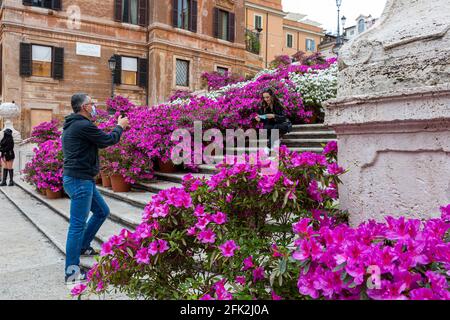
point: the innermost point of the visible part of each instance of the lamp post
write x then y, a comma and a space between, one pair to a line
338, 38
112, 66
343, 20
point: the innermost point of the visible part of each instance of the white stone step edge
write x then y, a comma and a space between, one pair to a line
85, 262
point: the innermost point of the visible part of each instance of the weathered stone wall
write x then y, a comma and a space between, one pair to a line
392, 114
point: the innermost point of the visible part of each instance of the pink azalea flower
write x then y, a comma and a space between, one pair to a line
191, 231
219, 218
258, 274
142, 256
206, 297
302, 227
203, 223
276, 252
163, 246
106, 249
207, 236
276, 297
78, 290
241, 280
228, 248
248, 263
422, 294
153, 248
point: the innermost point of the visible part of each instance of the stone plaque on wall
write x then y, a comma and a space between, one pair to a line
90, 50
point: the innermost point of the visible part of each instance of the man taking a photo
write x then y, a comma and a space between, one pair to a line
81, 140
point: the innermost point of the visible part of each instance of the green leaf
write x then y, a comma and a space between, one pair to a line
280, 280
340, 267
275, 196
308, 265
130, 252
272, 278
283, 265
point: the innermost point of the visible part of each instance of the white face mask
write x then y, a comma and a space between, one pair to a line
93, 112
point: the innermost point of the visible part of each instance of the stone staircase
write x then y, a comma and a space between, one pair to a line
51, 216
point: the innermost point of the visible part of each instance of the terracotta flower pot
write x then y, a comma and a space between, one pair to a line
166, 167
106, 181
119, 184
53, 195
99, 180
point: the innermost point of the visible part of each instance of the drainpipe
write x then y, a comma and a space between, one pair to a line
267, 37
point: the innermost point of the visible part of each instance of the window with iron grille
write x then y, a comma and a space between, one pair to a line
182, 73
222, 70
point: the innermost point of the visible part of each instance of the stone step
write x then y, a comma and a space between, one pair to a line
47, 221
296, 149
124, 214
62, 208
310, 127
136, 197
304, 143
310, 135
208, 169
156, 186
177, 177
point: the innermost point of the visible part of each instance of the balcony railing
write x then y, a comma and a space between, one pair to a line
252, 41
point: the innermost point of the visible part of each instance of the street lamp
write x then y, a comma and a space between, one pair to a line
344, 20
112, 66
338, 38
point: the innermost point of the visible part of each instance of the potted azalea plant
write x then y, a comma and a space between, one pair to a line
45, 170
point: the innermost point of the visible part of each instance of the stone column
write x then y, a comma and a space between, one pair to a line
392, 114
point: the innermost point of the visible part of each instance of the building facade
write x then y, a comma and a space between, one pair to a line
279, 32
50, 49
363, 23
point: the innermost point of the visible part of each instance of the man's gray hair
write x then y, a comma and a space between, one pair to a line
78, 100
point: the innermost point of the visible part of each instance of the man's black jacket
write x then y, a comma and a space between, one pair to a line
81, 140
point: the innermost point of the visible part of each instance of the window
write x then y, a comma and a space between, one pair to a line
129, 70
222, 70
41, 61
49, 4
290, 40
183, 14
224, 25
310, 45
258, 22
182, 73
361, 26
130, 11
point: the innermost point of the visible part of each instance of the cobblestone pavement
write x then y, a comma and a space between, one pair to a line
31, 268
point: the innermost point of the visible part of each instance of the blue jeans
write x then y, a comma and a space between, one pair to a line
84, 198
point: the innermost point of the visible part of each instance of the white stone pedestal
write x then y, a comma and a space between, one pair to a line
392, 114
